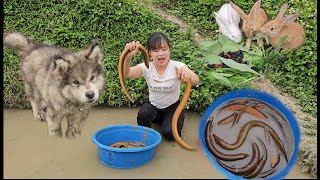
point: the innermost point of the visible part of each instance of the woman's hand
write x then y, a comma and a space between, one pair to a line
133, 49
185, 74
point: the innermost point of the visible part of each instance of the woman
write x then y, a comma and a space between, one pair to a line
163, 77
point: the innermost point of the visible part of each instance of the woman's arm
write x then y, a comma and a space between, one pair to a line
135, 71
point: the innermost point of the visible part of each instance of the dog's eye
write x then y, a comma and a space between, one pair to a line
92, 78
76, 82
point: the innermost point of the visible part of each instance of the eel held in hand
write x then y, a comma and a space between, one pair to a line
176, 115
120, 68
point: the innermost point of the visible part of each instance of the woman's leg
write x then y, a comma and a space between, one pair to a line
147, 114
166, 115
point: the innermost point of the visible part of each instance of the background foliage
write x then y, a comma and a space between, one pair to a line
113, 23
297, 75
73, 24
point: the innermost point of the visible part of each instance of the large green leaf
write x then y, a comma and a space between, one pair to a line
212, 59
215, 48
230, 46
241, 67
222, 39
220, 77
207, 44
223, 74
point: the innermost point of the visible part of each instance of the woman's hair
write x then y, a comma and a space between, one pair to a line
154, 40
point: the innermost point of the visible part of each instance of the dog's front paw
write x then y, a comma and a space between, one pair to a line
36, 115
72, 133
42, 116
55, 132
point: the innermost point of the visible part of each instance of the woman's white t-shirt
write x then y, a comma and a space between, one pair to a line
164, 90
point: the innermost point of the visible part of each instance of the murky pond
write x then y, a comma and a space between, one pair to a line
30, 153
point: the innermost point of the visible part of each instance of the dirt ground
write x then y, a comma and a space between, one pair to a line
30, 153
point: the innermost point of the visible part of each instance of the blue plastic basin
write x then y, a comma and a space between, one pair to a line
126, 157
261, 96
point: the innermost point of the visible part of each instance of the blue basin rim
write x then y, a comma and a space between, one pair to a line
150, 131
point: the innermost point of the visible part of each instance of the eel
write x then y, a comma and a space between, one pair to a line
239, 115
214, 151
120, 68
278, 113
127, 144
250, 167
249, 110
267, 135
244, 132
267, 173
261, 164
228, 119
176, 115
275, 160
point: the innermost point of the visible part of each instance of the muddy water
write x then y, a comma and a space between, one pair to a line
30, 153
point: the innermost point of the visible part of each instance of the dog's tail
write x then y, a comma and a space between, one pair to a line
16, 41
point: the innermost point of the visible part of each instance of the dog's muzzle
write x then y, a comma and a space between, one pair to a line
90, 95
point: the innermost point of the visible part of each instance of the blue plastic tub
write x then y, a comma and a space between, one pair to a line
261, 96
126, 157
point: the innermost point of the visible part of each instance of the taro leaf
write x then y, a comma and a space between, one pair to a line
230, 46
241, 67
212, 59
221, 78
222, 39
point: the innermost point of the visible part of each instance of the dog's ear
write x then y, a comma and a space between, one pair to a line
93, 52
61, 66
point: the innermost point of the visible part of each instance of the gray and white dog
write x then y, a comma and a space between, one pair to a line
59, 83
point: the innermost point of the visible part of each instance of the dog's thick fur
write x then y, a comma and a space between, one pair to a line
59, 83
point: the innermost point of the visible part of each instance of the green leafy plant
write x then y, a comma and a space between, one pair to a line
271, 54
287, 75
236, 73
